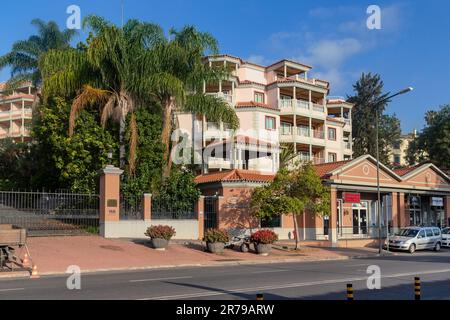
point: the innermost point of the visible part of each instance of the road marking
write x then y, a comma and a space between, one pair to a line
286, 286
13, 289
268, 271
359, 265
161, 279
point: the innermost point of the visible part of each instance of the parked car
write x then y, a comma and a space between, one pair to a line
446, 237
416, 238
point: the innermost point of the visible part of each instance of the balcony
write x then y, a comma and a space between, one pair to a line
225, 96
319, 134
286, 130
318, 107
303, 131
219, 163
302, 104
285, 104
348, 145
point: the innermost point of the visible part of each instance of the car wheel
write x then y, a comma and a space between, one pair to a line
412, 248
437, 247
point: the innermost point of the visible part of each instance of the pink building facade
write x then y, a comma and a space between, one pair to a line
277, 105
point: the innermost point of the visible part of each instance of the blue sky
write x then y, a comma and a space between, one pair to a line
411, 49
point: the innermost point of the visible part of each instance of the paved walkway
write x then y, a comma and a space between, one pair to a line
53, 255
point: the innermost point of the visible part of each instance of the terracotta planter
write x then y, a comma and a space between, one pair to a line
159, 244
263, 249
215, 247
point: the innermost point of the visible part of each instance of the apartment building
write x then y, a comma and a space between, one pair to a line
400, 149
276, 105
16, 112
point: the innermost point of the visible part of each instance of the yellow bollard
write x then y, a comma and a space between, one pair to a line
417, 287
259, 296
349, 292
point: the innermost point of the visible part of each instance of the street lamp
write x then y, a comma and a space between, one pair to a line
378, 104
110, 156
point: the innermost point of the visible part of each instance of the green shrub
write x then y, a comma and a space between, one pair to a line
216, 235
160, 232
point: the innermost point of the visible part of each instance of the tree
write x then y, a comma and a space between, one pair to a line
368, 94
178, 73
68, 162
287, 155
25, 55
108, 72
433, 143
16, 165
292, 193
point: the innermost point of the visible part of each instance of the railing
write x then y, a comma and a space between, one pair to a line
303, 131
212, 126
131, 207
286, 130
319, 134
348, 145
162, 210
318, 107
285, 103
303, 104
50, 213
304, 156
224, 96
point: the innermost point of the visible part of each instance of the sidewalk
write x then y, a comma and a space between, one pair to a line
53, 255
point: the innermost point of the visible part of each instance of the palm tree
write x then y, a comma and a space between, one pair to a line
287, 155
177, 76
107, 72
25, 55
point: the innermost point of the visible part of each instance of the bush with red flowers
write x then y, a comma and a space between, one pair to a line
264, 237
160, 232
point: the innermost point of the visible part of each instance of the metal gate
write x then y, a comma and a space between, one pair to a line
45, 213
210, 205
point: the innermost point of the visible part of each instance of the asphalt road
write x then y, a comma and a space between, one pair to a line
307, 280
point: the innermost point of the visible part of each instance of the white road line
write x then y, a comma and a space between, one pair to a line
160, 279
286, 286
358, 265
13, 289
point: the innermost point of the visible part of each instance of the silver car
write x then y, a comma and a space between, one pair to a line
446, 237
416, 238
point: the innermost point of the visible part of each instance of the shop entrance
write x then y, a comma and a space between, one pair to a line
360, 220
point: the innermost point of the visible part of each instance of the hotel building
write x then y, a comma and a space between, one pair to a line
16, 112
277, 105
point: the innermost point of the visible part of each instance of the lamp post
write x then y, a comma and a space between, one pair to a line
377, 120
110, 156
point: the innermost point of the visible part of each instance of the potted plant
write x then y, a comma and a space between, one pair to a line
160, 236
263, 240
215, 240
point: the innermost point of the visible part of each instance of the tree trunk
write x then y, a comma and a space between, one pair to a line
297, 236
122, 150
165, 135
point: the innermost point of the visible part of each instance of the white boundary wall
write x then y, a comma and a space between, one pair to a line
135, 229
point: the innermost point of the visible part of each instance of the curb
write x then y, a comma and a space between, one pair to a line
200, 265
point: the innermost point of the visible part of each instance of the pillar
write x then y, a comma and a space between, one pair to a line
447, 211
109, 198
394, 208
402, 221
333, 218
200, 209
147, 207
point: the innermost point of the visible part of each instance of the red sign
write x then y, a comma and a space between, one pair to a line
351, 197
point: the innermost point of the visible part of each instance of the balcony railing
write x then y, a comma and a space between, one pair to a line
303, 131
319, 134
212, 126
224, 96
318, 160
304, 156
286, 130
318, 107
348, 145
301, 104
285, 103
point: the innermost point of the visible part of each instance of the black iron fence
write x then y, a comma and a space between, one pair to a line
162, 209
131, 207
50, 213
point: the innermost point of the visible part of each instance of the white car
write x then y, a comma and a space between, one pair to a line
416, 238
446, 237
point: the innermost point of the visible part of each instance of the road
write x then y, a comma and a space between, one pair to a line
306, 280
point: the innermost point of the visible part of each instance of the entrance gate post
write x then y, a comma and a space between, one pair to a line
109, 198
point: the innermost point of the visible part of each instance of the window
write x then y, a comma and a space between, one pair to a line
397, 145
332, 134
397, 159
429, 232
332, 157
270, 123
259, 97
437, 232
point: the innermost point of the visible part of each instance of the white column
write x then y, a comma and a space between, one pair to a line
22, 130
204, 87
310, 99
220, 86
285, 71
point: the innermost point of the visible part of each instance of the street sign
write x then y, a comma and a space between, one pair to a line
351, 197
